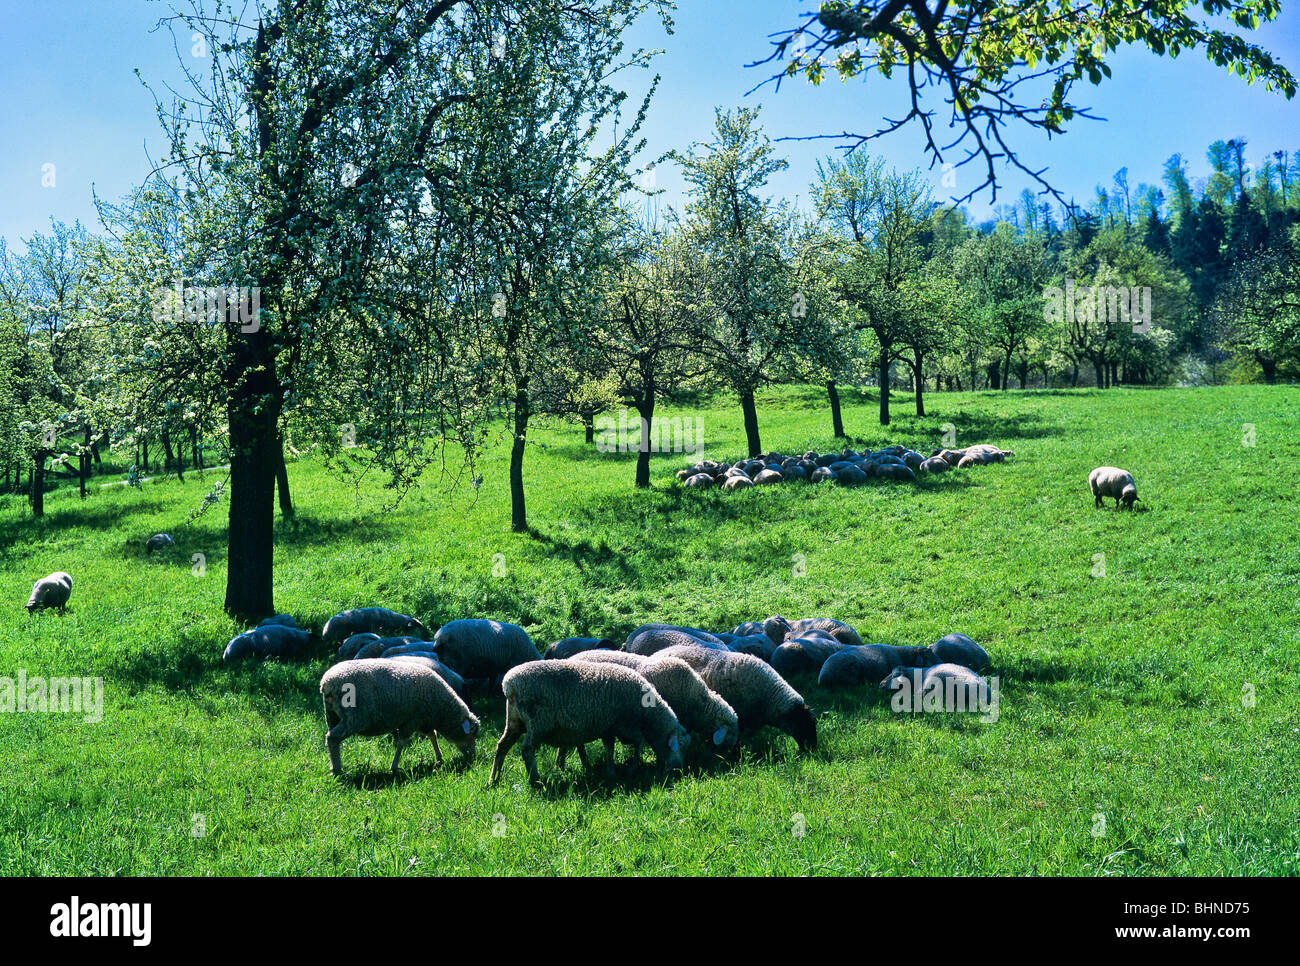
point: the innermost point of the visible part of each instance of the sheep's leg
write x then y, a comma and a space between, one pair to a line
437, 752
401, 744
560, 754
609, 757
1097, 497
333, 738
528, 750
582, 756
514, 731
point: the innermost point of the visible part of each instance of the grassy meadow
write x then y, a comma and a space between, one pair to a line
1149, 721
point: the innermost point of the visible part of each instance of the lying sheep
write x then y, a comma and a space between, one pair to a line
870, 664
349, 648
759, 645
1113, 482
757, 693
960, 649
576, 645
698, 708
768, 476
737, 482
398, 697
649, 638
943, 687
823, 474
51, 591
376, 620
158, 541
700, 480
804, 655
283, 619
839, 630
894, 471
273, 640
430, 660
476, 648
935, 464
569, 703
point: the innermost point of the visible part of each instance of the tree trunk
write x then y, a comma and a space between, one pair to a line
83, 462
282, 482
589, 425
1269, 366
144, 453
37, 497
919, 380
995, 375
750, 412
1006, 373
884, 387
837, 421
253, 413
194, 447
518, 512
645, 408
1114, 374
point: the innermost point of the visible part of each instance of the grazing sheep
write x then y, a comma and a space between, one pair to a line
767, 477
822, 474
569, 703
430, 660
942, 687
649, 638
804, 654
777, 629
738, 482
158, 541
839, 630
935, 465
283, 619
747, 628
1113, 482
850, 476
377, 620
398, 697
793, 473
273, 640
381, 645
989, 453
913, 460
348, 649
51, 591
759, 645
700, 479
894, 471
950, 456
870, 664
960, 649
698, 708
477, 648
759, 695
575, 645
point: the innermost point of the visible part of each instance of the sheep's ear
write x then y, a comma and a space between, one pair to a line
719, 736
466, 727
672, 743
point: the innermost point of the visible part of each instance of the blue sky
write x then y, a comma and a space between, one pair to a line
69, 97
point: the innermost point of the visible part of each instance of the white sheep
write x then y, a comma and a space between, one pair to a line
1113, 482
476, 648
51, 591
648, 638
398, 697
758, 694
430, 660
349, 648
576, 645
375, 620
569, 703
697, 706
959, 649
943, 687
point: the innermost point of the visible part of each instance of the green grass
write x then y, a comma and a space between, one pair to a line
1120, 695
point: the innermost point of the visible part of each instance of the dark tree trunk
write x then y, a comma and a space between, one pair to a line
919, 380
253, 413
750, 411
646, 410
1269, 366
884, 387
1101, 374
589, 426
1114, 374
94, 452
837, 421
37, 497
83, 462
282, 482
144, 454
1074, 374
194, 448
1006, 373
995, 375
518, 512
1022, 373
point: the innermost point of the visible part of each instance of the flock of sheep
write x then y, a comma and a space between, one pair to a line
657, 688
848, 467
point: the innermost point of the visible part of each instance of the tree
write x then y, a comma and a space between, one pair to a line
990, 60
1259, 308
748, 319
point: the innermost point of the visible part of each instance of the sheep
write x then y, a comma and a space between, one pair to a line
950, 456
51, 591
839, 630
698, 708
158, 541
482, 648
894, 471
569, 703
759, 695
822, 474
792, 473
272, 640
649, 638
935, 465
988, 452
575, 645
397, 646
850, 476
377, 620
700, 480
430, 660
747, 628
913, 459
766, 477
804, 655
759, 645
942, 687
869, 664
348, 649
377, 647
398, 697
737, 482
283, 619
960, 649
1113, 482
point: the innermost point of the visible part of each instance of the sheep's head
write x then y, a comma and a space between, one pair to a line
799, 723
415, 628
1128, 495
670, 753
465, 737
776, 628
